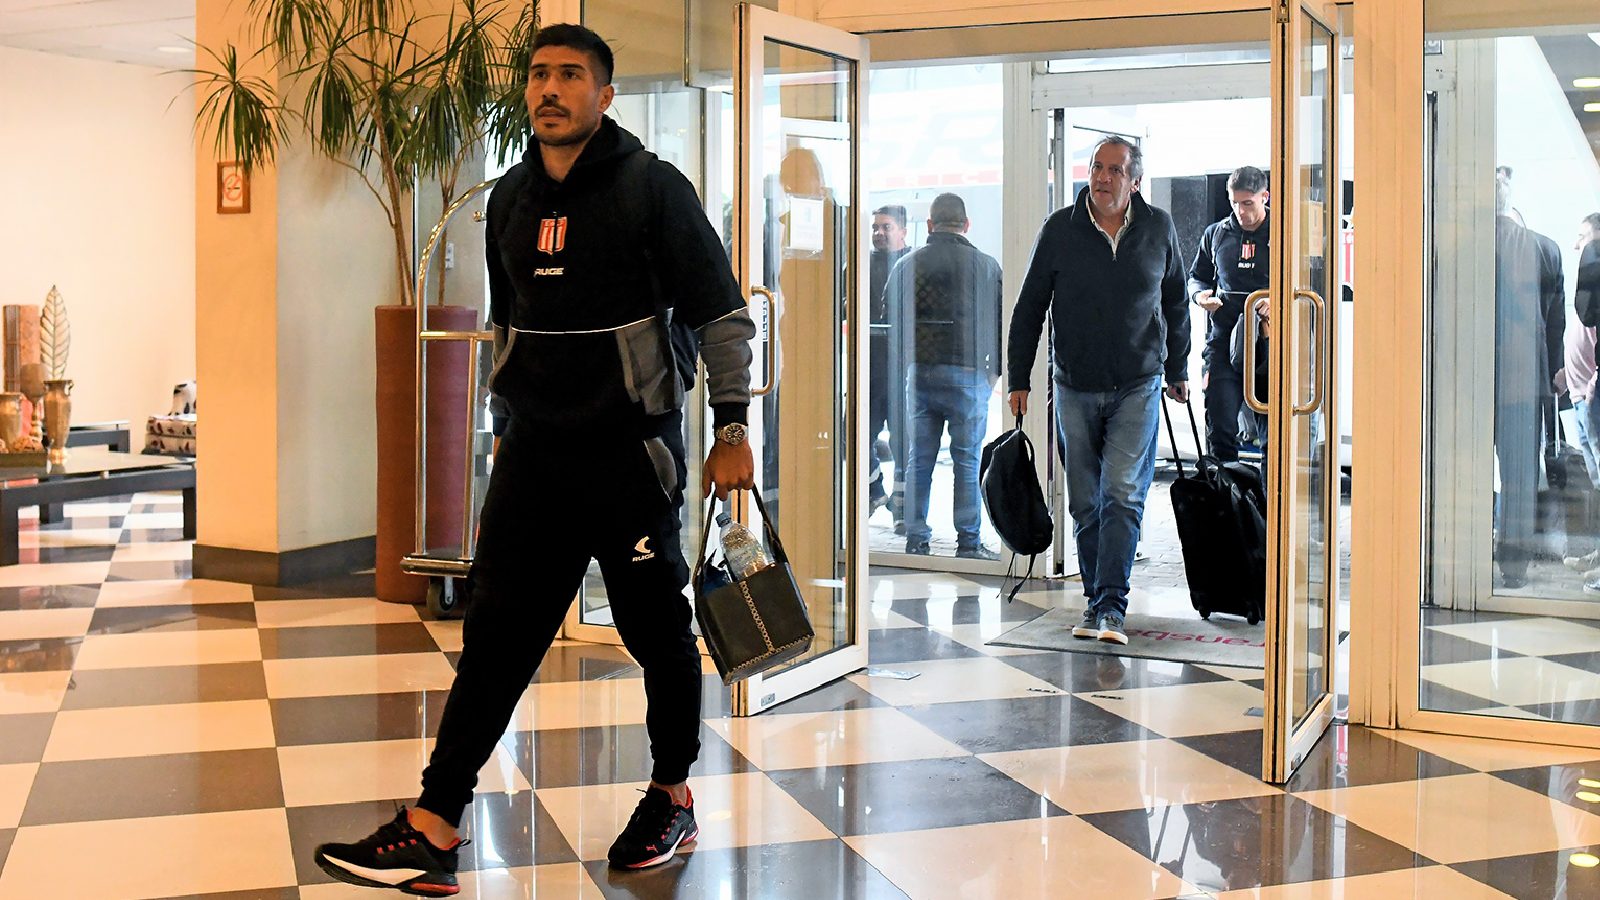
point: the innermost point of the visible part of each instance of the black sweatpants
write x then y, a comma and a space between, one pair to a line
1224, 384
554, 503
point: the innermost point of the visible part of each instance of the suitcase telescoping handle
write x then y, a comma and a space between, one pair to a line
1173, 436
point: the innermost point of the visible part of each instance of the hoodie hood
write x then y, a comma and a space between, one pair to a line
609, 144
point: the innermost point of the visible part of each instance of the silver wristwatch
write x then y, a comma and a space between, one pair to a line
732, 434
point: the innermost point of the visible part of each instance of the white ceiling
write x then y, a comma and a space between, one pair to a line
128, 31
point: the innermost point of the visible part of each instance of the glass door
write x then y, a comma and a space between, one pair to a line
1300, 337
798, 247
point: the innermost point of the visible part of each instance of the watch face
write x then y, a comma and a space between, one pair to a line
731, 434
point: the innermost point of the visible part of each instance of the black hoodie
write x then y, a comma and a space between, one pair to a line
573, 298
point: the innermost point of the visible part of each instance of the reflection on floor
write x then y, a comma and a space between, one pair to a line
199, 738
1498, 664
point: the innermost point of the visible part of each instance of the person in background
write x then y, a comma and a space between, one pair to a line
1232, 263
947, 297
1580, 372
886, 389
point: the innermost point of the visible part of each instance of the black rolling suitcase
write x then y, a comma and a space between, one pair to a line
1221, 512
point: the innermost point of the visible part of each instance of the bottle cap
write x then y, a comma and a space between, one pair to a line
724, 519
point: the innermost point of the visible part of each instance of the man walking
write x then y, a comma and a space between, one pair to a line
885, 403
1107, 270
947, 294
589, 238
1230, 264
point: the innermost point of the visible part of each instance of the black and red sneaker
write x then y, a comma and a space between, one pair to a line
395, 856
656, 831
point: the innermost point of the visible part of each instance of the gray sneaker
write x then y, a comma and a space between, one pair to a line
1111, 628
977, 552
1089, 627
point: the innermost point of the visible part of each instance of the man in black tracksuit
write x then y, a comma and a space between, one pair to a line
1230, 265
885, 375
589, 238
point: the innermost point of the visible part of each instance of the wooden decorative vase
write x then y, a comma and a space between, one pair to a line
57, 417
11, 425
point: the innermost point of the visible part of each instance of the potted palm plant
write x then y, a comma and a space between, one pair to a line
403, 99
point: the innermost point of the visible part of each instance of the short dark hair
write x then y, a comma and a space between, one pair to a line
1593, 221
1247, 178
1135, 155
579, 38
894, 211
948, 209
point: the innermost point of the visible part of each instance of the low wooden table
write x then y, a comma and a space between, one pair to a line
89, 473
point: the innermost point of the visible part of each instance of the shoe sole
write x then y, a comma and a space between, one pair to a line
1114, 637
337, 870
1083, 632
665, 857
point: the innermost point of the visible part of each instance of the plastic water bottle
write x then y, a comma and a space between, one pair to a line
740, 549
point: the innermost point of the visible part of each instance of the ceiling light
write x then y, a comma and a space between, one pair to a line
170, 48
1591, 81
1591, 107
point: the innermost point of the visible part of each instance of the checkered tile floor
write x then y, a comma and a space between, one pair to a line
164, 737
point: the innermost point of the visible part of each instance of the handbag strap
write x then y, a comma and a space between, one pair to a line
779, 555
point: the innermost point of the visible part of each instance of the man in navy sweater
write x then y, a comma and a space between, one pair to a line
1108, 271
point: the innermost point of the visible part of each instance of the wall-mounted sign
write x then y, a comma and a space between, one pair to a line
233, 189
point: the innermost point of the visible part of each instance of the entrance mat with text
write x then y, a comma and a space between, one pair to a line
1221, 641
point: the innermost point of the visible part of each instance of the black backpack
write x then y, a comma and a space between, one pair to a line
633, 214
1014, 499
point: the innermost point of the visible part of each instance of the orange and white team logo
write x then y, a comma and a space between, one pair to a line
1247, 251
552, 235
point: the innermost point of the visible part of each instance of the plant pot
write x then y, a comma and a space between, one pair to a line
57, 417
448, 386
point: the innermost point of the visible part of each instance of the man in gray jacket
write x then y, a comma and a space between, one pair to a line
1107, 269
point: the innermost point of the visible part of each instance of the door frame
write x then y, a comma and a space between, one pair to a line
755, 26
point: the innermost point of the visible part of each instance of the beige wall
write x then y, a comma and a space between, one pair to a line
98, 197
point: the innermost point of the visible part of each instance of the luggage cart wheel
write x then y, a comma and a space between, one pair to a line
444, 598
1253, 619
1205, 614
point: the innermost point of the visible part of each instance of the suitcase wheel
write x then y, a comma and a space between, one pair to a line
1205, 614
446, 597
1253, 619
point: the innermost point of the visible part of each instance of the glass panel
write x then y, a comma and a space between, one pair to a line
1309, 571
803, 158
1509, 617
935, 305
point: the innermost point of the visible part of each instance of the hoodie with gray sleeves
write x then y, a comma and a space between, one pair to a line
577, 286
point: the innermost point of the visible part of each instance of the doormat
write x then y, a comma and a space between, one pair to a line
1220, 641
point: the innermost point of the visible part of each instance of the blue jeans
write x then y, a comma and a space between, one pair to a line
1584, 411
1108, 443
940, 396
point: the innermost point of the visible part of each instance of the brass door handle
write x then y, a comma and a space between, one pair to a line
1319, 324
1252, 333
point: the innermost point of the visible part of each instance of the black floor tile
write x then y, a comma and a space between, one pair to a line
88, 554
1239, 749
39, 654
911, 796
1439, 698
808, 870
506, 831
7, 835
68, 596
1561, 783
838, 696
321, 589
346, 640
146, 786
161, 685
966, 610
1588, 662
1581, 712
1352, 756
196, 617
152, 570
1440, 648
23, 738
888, 646
1439, 616
994, 726
569, 757
356, 718
1081, 673
584, 662
1219, 846
1539, 876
